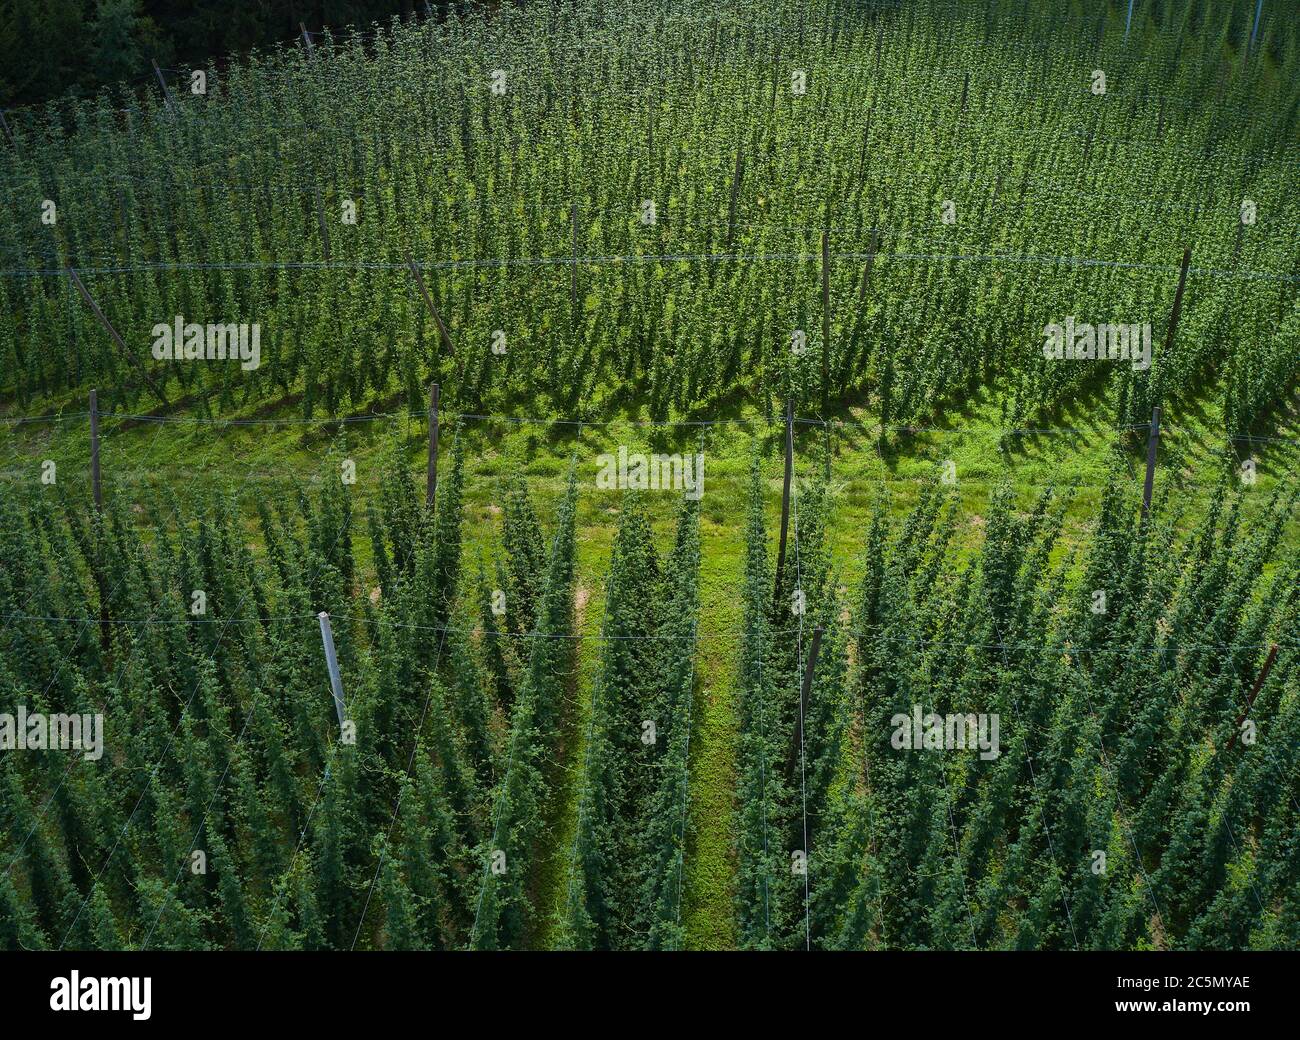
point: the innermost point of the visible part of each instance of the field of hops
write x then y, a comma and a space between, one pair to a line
802, 261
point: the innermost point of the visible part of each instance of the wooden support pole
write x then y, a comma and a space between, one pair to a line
332, 662
8, 133
805, 692
872, 246
1129, 20
862, 163
965, 90
1259, 9
785, 499
573, 267
306, 38
1259, 682
826, 321
167, 98
320, 220
443, 334
105, 629
1153, 442
94, 450
735, 192
135, 362
431, 477
1178, 303
813, 650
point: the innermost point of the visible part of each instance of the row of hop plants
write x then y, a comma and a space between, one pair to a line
627, 859
180, 208
1118, 728
1125, 809
219, 734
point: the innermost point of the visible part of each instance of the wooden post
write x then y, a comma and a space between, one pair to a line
306, 38
965, 89
1129, 20
167, 98
443, 334
94, 450
1153, 442
320, 220
573, 267
805, 691
332, 662
785, 498
862, 164
1178, 303
135, 362
8, 133
735, 191
431, 477
872, 246
105, 629
997, 190
1259, 682
826, 321
808, 670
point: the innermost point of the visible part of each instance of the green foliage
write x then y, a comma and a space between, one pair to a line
480, 187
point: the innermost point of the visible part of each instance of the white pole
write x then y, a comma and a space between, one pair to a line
332, 661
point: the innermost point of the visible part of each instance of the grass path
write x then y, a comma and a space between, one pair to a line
708, 910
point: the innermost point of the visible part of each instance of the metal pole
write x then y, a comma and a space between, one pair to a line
1259, 9
332, 662
1129, 20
